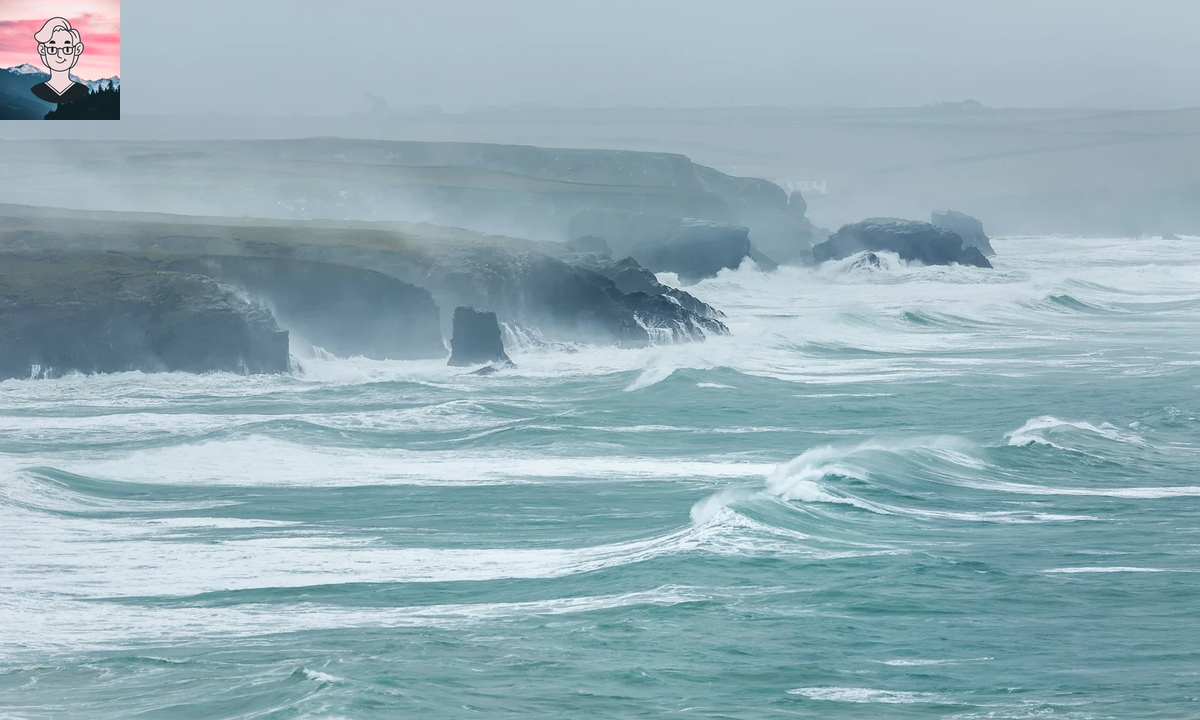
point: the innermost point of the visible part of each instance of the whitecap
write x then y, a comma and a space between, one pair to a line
865, 695
319, 676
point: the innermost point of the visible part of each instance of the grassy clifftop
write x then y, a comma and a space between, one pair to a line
31, 227
86, 276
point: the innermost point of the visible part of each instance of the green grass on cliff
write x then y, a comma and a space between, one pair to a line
44, 276
29, 227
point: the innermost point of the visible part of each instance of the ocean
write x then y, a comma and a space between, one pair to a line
905, 492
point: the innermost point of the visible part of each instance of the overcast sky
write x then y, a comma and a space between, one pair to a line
323, 56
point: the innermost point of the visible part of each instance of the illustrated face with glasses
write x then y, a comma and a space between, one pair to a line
62, 50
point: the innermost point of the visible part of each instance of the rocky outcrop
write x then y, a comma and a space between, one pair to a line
967, 227
565, 302
923, 242
630, 277
693, 249
90, 312
476, 339
364, 288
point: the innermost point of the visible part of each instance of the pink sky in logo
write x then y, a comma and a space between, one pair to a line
98, 23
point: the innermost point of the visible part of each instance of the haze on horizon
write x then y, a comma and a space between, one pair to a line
278, 57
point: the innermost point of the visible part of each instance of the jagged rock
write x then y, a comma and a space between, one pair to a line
476, 339
95, 312
967, 227
911, 240
564, 302
630, 277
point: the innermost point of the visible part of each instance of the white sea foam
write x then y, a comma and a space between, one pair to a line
1117, 569
61, 623
1129, 493
268, 461
128, 557
922, 663
866, 695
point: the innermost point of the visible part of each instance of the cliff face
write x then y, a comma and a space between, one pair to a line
64, 312
345, 310
318, 276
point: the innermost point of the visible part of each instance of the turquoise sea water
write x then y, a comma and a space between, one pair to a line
918, 492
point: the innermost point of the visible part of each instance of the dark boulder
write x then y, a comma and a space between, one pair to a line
911, 240
476, 339
967, 227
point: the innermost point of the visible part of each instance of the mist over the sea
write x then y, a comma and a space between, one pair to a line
687, 358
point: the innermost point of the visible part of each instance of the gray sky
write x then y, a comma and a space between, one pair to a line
269, 57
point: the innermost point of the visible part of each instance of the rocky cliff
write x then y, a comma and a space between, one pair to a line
344, 310
90, 312
531, 284
514, 190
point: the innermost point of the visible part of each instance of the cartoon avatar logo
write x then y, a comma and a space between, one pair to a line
59, 46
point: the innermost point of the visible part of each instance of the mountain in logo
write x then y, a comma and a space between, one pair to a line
26, 69
17, 102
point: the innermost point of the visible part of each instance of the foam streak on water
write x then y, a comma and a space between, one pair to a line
891, 492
